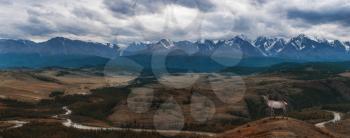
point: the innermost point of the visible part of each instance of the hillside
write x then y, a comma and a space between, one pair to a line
276, 127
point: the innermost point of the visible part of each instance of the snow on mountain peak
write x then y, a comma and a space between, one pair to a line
347, 46
269, 46
313, 38
166, 43
302, 41
243, 37
261, 46
339, 44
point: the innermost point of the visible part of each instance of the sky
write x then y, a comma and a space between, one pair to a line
126, 21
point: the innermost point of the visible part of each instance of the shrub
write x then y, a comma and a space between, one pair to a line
56, 93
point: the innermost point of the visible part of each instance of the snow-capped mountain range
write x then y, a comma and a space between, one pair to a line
301, 47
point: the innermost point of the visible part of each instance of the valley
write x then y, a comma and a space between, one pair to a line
218, 104
174, 69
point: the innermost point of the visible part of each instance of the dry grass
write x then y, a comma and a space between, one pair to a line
342, 128
25, 86
345, 74
215, 101
275, 127
226, 93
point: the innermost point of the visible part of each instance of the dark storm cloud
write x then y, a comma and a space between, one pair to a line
41, 27
124, 8
36, 26
86, 13
335, 15
242, 24
151, 20
6, 2
259, 2
121, 7
203, 5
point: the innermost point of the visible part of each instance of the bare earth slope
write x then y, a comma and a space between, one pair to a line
33, 86
276, 127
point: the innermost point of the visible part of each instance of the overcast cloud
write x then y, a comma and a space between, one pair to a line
126, 21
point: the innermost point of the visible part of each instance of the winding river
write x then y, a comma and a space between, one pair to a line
16, 124
337, 117
69, 123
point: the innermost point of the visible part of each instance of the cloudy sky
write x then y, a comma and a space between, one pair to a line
126, 21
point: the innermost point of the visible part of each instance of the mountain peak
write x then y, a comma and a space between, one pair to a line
261, 38
303, 37
167, 43
267, 46
242, 36
347, 45
205, 41
58, 39
300, 37
339, 44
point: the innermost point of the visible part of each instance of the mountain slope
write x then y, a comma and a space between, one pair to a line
276, 127
305, 48
198, 55
57, 46
40, 61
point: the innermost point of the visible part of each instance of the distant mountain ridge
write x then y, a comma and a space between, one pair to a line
301, 47
57, 46
263, 51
